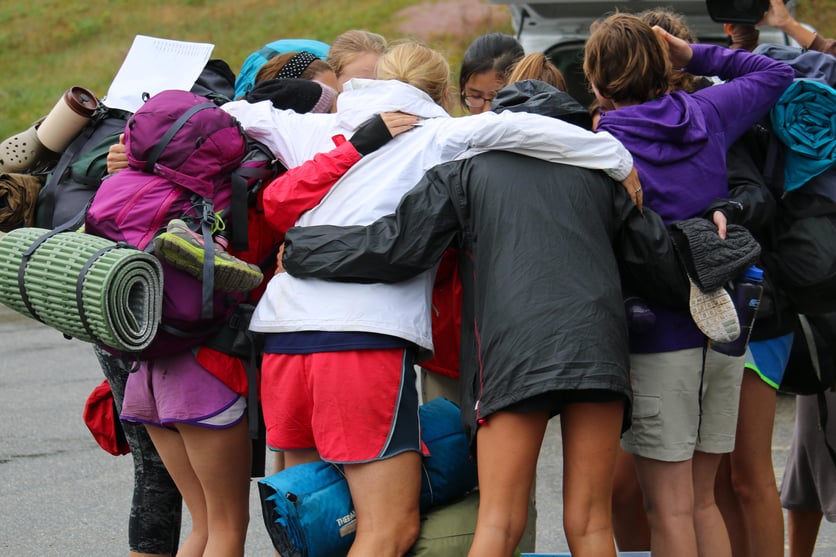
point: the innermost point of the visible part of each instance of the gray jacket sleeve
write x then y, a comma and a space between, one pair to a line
393, 248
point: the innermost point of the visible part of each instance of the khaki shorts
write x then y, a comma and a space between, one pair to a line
681, 406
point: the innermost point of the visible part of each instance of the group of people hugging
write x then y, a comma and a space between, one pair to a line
533, 215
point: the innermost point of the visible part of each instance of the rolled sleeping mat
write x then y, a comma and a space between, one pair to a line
84, 286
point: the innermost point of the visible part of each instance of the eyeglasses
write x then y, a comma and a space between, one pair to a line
475, 101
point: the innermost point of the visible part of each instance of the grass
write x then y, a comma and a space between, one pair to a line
47, 46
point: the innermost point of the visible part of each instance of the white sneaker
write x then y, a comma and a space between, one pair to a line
715, 314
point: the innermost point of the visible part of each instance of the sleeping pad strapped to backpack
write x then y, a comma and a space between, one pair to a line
181, 149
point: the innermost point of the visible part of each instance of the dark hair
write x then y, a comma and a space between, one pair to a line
493, 51
674, 23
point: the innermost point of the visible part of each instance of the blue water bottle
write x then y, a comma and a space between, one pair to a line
747, 297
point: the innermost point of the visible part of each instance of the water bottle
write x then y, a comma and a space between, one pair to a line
747, 297
67, 118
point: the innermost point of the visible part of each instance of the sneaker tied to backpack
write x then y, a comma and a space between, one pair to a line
183, 249
715, 314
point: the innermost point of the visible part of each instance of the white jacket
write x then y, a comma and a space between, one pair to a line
374, 186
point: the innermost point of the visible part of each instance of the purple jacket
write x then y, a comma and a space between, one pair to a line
679, 143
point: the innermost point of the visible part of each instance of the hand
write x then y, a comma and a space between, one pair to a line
380, 129
398, 122
720, 220
679, 51
777, 16
279, 266
117, 157
634, 188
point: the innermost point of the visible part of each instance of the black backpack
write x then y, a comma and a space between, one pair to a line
803, 255
811, 369
80, 169
216, 81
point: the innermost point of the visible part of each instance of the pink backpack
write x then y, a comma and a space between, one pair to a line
182, 150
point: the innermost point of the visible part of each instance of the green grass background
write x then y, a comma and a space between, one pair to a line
47, 46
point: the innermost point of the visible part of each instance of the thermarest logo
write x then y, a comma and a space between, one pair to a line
347, 524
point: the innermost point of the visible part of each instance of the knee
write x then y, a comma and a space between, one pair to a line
408, 535
749, 487
398, 534
587, 525
627, 494
402, 533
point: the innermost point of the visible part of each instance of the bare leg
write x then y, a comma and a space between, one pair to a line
752, 474
507, 447
292, 458
669, 501
632, 532
278, 462
591, 431
803, 529
386, 499
170, 445
730, 508
221, 459
712, 537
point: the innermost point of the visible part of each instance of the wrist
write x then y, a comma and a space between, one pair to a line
803, 36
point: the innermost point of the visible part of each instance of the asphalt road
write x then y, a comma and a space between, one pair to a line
61, 495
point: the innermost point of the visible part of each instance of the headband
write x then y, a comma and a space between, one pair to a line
296, 66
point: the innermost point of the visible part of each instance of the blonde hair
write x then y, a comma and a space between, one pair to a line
418, 65
537, 66
351, 44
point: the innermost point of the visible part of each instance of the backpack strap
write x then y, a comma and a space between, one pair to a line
207, 215
238, 210
208, 291
169, 134
24, 260
79, 288
47, 202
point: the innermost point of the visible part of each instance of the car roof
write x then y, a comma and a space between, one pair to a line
541, 25
560, 30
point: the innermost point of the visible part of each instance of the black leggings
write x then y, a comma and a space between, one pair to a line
154, 526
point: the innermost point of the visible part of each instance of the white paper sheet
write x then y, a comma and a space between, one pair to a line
153, 65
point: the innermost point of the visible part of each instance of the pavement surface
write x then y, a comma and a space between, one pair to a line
61, 495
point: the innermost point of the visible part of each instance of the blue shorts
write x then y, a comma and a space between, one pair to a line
768, 358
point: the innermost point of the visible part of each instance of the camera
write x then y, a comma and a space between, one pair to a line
737, 11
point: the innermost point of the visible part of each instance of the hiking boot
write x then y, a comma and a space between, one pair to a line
183, 249
715, 314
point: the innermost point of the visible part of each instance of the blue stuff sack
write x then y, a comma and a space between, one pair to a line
307, 510
448, 472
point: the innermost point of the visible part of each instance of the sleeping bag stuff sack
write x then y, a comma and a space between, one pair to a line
307, 509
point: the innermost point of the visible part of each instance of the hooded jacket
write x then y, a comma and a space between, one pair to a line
373, 187
679, 143
542, 306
